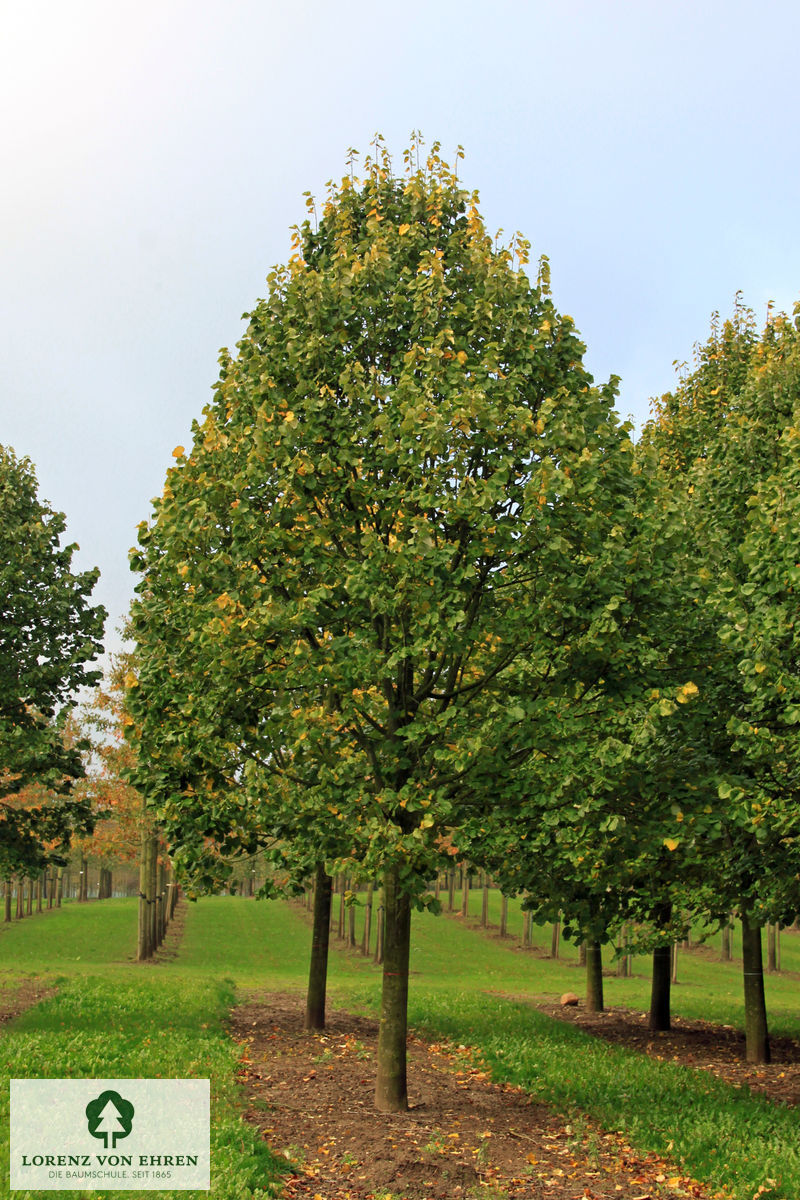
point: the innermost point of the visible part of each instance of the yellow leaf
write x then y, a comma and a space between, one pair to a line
403, 229
671, 843
289, 416
760, 668
178, 452
462, 357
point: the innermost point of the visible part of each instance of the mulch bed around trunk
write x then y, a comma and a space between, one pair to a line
311, 1096
719, 1049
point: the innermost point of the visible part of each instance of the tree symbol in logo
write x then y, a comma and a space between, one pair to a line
109, 1116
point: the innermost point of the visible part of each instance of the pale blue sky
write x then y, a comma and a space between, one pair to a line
156, 152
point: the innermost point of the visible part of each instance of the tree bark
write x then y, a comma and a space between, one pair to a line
143, 946
391, 1089
7, 891
660, 989
555, 939
503, 916
320, 938
465, 894
755, 1008
726, 943
451, 889
594, 977
367, 921
526, 929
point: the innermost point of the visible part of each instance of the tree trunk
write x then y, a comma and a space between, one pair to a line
503, 916
39, 885
485, 901
465, 894
83, 881
555, 939
726, 943
320, 937
367, 921
660, 989
755, 1008
526, 929
582, 954
451, 889
59, 886
7, 890
674, 953
20, 899
594, 977
391, 1091
379, 930
144, 948
342, 890
152, 892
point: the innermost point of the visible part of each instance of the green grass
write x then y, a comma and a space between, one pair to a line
114, 1018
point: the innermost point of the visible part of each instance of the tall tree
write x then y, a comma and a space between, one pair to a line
724, 440
49, 635
399, 492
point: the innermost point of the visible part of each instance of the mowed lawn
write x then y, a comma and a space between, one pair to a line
114, 1018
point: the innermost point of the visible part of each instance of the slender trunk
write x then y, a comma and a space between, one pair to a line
152, 892
485, 901
391, 1090
504, 916
7, 890
320, 937
161, 907
173, 900
526, 929
726, 943
755, 1008
437, 886
594, 977
59, 886
660, 989
367, 920
39, 885
555, 939
351, 926
465, 894
20, 898
674, 953
143, 949
379, 930
342, 890
451, 889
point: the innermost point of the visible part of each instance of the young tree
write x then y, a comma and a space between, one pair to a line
49, 634
724, 441
399, 492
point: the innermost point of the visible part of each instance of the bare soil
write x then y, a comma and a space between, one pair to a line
15, 1000
311, 1097
719, 1049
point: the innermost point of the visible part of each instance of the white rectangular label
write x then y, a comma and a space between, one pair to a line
110, 1134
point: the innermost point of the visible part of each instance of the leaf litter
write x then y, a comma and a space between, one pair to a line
463, 1138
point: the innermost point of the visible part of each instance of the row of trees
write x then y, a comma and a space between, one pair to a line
413, 594
50, 633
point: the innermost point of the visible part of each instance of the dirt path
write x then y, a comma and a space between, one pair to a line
700, 1044
464, 1137
16, 999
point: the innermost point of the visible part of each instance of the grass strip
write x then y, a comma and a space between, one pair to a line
721, 1135
147, 1028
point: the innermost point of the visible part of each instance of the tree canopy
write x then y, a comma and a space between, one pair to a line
381, 556
49, 635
